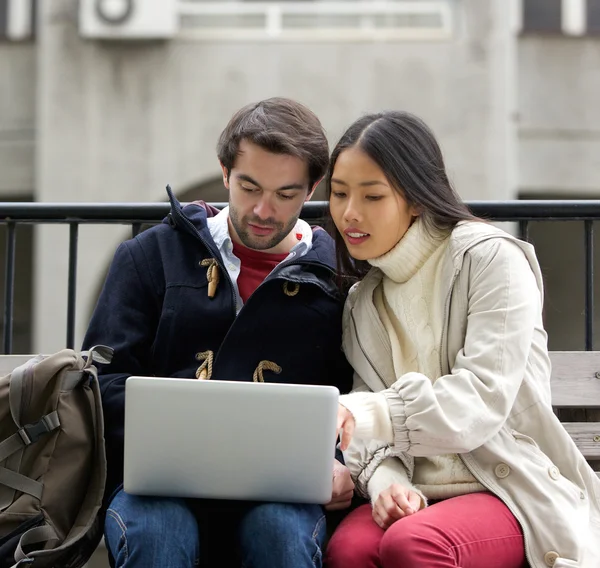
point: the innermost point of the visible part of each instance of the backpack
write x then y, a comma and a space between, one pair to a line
52, 460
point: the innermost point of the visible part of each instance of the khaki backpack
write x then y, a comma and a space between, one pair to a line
52, 460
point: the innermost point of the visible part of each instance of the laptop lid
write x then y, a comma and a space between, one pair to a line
229, 439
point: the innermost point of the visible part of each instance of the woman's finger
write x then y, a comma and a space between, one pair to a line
380, 517
347, 435
389, 506
415, 501
346, 424
347, 496
401, 500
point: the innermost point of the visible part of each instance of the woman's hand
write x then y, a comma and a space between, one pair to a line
395, 503
345, 423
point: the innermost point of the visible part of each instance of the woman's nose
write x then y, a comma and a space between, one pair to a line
351, 212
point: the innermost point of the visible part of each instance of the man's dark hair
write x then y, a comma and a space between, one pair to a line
280, 126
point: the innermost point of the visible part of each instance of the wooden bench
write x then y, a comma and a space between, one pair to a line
575, 395
575, 387
576, 399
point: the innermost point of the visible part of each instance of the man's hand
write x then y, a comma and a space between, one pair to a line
346, 424
343, 488
395, 503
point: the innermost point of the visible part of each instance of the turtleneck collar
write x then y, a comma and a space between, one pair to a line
410, 253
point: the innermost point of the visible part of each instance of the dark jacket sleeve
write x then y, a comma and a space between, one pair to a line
125, 318
344, 373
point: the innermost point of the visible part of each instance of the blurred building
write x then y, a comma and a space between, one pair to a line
109, 100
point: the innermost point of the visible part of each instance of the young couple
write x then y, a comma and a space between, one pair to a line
448, 432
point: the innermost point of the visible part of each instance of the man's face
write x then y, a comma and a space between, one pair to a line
266, 194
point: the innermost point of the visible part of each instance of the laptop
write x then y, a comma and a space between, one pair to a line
229, 440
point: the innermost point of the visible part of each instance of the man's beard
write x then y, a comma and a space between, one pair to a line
260, 243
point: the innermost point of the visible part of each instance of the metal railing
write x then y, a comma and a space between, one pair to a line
138, 214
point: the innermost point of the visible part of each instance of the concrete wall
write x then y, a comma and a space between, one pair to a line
17, 120
118, 121
559, 157
17, 171
559, 116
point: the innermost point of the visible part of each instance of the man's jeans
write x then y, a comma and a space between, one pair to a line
152, 532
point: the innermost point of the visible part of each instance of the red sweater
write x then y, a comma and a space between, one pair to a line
255, 266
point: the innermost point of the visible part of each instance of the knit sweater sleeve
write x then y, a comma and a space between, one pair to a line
371, 414
389, 472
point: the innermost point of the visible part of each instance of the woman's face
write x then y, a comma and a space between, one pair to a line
368, 212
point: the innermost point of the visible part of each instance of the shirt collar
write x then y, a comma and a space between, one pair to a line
219, 230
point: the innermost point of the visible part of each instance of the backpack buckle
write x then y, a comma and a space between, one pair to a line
31, 433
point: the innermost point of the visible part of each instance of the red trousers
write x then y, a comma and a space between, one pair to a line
471, 531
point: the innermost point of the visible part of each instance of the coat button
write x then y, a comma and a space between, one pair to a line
582, 495
551, 557
502, 470
554, 472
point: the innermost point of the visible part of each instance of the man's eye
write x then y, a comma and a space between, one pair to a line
248, 189
286, 196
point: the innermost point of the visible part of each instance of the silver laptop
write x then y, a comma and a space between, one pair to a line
229, 440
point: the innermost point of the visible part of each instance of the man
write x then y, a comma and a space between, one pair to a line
248, 293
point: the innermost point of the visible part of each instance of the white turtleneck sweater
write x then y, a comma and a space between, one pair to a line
407, 301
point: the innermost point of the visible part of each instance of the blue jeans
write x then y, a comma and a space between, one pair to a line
153, 532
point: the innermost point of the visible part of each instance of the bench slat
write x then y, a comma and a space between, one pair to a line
9, 362
574, 382
586, 436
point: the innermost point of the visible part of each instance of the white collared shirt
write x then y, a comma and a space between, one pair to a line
219, 231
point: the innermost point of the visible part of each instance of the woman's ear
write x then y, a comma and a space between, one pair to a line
415, 211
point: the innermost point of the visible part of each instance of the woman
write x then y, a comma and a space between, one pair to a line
449, 431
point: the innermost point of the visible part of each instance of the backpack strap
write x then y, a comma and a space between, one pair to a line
28, 434
15, 453
15, 394
35, 535
98, 354
21, 483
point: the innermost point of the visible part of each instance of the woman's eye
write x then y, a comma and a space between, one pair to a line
374, 197
338, 194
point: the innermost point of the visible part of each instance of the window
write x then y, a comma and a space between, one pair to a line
17, 19
316, 19
568, 17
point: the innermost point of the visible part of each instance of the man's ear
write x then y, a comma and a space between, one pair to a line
225, 175
312, 191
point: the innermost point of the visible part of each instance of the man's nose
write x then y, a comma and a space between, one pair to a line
264, 208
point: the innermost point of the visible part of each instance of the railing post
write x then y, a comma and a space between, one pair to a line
9, 286
72, 290
589, 285
524, 230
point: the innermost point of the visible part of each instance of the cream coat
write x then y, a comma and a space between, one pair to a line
492, 403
